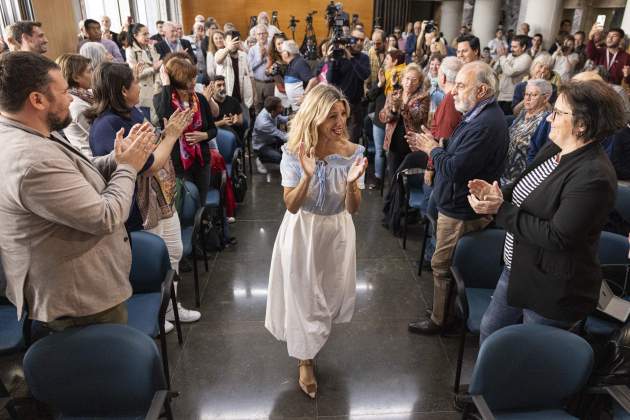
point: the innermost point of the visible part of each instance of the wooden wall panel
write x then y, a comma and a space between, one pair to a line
59, 25
239, 11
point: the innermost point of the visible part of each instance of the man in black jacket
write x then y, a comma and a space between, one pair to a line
349, 73
172, 43
476, 150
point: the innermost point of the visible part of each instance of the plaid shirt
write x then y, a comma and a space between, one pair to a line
375, 64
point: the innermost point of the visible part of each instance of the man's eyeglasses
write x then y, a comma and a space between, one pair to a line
556, 111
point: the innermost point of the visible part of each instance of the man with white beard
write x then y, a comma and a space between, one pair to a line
476, 150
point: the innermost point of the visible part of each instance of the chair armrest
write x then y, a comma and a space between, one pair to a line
461, 292
165, 292
159, 398
621, 394
199, 216
411, 171
482, 407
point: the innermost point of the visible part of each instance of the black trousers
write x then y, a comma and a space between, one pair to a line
200, 176
355, 122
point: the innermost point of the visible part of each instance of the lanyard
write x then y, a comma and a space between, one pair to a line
609, 62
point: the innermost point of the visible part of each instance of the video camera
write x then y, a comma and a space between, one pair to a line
339, 41
331, 12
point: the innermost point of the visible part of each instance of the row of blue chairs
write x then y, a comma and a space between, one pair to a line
151, 279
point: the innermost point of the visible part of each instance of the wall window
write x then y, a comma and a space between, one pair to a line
117, 10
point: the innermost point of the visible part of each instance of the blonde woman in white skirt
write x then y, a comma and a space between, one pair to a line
312, 279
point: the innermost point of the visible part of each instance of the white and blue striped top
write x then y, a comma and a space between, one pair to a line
521, 191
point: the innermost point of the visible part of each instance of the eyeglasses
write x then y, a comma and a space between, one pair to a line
556, 111
532, 95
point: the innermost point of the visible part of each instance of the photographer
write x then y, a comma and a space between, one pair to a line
348, 69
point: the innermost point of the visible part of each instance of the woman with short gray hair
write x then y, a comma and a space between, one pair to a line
96, 52
535, 108
541, 68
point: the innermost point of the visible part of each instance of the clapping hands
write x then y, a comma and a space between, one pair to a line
357, 169
424, 141
307, 159
484, 198
136, 148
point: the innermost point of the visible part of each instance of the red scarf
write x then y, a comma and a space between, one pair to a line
189, 153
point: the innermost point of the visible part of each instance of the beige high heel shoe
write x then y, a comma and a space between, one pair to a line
308, 389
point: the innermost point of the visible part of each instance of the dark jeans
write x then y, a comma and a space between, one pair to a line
500, 314
355, 122
200, 176
271, 153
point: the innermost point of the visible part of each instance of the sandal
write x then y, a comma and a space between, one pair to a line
308, 389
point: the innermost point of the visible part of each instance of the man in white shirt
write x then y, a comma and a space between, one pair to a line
512, 69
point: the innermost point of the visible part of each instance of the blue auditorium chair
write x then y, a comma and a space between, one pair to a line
476, 267
612, 252
528, 371
151, 278
104, 371
191, 219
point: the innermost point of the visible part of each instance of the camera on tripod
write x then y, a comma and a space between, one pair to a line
331, 12
293, 24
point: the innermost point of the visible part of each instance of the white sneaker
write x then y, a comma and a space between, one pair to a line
168, 327
231, 220
260, 167
185, 315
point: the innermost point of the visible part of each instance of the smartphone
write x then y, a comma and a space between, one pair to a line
601, 19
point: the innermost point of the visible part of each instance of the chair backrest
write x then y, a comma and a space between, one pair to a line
530, 366
149, 262
190, 204
226, 142
622, 203
613, 249
102, 370
478, 257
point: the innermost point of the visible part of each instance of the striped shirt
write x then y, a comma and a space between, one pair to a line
521, 191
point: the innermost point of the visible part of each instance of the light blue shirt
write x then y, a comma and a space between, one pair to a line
266, 129
258, 63
113, 49
327, 191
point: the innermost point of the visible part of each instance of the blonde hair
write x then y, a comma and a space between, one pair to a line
312, 113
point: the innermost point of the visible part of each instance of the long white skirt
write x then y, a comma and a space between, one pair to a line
312, 281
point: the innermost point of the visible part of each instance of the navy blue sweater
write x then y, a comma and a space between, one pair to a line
102, 136
349, 75
476, 150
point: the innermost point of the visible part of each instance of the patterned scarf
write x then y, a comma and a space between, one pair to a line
189, 153
84, 94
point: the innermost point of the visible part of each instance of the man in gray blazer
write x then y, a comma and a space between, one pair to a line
63, 243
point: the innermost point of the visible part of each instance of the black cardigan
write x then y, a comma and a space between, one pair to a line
555, 269
164, 109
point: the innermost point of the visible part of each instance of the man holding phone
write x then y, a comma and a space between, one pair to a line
612, 57
230, 115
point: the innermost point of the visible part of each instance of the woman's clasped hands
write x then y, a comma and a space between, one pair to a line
484, 198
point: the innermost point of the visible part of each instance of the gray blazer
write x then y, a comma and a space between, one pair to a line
63, 244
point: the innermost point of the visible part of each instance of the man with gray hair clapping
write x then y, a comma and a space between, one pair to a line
476, 150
